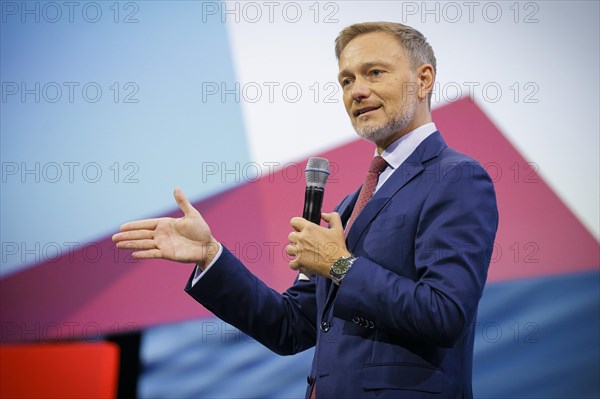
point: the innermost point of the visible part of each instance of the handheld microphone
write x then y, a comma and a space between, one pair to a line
317, 172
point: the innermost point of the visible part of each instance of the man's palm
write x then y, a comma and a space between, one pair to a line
187, 239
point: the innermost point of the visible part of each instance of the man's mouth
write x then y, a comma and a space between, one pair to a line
364, 110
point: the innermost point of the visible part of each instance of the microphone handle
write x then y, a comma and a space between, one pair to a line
313, 201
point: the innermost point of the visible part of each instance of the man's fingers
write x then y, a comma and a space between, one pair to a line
291, 249
148, 254
145, 224
298, 223
137, 244
133, 235
183, 202
295, 264
334, 220
292, 237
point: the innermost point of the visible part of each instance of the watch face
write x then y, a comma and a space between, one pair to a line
340, 266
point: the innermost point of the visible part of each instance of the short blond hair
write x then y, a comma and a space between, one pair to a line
415, 44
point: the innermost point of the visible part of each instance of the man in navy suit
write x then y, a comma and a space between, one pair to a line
392, 302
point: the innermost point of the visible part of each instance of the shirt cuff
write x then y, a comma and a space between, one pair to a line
198, 273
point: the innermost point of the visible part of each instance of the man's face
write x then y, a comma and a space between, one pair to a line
379, 86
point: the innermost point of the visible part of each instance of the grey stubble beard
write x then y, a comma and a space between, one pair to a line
391, 126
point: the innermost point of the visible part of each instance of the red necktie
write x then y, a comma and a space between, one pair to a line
378, 165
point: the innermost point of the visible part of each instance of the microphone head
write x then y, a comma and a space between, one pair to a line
317, 172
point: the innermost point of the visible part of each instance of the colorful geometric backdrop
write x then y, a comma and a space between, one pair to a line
106, 106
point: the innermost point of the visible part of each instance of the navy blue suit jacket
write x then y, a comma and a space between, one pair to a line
401, 324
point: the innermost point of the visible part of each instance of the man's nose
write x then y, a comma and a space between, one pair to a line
360, 90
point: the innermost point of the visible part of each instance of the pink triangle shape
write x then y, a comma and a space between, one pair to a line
96, 290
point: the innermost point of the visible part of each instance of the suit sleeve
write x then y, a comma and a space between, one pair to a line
284, 323
453, 244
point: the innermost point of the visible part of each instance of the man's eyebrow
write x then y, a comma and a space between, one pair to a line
366, 65
343, 72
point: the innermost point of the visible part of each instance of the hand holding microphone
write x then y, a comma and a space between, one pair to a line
307, 238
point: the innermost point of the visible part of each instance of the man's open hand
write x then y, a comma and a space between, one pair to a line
187, 239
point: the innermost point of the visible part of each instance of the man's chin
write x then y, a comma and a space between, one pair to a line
374, 134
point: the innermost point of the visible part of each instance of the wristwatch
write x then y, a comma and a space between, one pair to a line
340, 267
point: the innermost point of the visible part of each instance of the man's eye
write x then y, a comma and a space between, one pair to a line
345, 82
375, 72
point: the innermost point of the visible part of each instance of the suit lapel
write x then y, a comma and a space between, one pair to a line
347, 205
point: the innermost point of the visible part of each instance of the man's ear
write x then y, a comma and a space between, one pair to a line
425, 81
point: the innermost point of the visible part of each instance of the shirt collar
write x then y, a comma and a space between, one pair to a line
400, 150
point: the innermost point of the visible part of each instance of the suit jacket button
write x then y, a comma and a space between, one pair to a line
325, 326
310, 379
356, 319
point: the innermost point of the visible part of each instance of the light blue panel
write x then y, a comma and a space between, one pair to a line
211, 359
146, 131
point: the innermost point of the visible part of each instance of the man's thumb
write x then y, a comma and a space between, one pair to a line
334, 220
183, 202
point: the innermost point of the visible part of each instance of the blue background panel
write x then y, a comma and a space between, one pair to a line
535, 338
